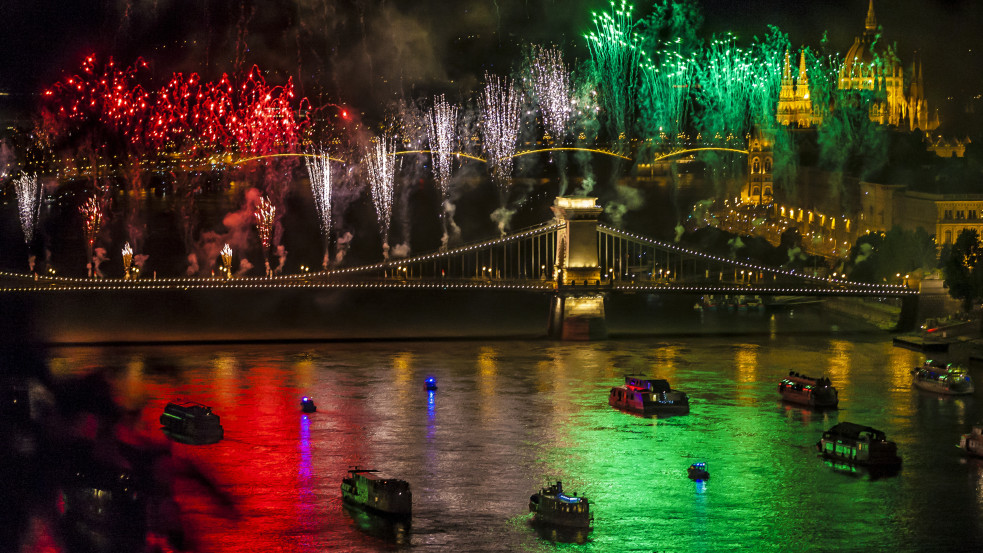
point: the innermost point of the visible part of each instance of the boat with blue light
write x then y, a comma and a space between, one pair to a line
430, 384
805, 390
307, 405
554, 507
645, 396
191, 423
371, 490
942, 378
698, 472
858, 444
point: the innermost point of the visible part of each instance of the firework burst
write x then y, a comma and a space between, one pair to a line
127, 260
615, 58
319, 171
227, 260
442, 130
551, 84
265, 215
28, 203
381, 165
501, 116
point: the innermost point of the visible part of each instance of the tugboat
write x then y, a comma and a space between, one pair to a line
377, 493
814, 392
698, 472
972, 443
552, 506
191, 423
941, 378
644, 396
857, 444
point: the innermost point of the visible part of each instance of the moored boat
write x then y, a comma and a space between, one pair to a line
858, 444
376, 492
551, 506
814, 392
972, 443
191, 423
942, 378
645, 396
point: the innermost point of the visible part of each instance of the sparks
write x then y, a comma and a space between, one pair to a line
381, 165
28, 203
500, 121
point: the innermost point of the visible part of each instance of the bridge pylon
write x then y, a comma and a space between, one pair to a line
577, 307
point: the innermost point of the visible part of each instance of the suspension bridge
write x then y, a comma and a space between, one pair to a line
573, 258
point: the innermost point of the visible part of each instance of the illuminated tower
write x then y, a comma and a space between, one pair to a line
577, 311
761, 159
794, 100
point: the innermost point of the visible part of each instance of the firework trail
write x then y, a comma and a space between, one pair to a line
501, 116
442, 130
551, 85
381, 165
319, 171
92, 217
667, 81
127, 260
28, 203
265, 215
615, 60
227, 260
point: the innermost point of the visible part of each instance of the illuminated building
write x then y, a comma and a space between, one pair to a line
794, 102
759, 187
944, 215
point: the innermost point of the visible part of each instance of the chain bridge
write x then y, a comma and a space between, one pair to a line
574, 258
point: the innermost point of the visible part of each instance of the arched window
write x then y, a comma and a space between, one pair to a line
755, 191
767, 191
767, 165
756, 165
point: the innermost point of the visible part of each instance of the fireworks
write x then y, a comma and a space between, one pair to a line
615, 60
265, 214
381, 165
28, 203
127, 260
227, 260
501, 104
319, 171
551, 84
442, 130
91, 212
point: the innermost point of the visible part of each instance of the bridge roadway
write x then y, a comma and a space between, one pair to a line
12, 282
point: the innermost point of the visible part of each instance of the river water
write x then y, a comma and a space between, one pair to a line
510, 415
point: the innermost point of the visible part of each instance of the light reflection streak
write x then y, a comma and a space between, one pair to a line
840, 363
747, 363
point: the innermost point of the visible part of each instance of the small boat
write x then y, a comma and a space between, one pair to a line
814, 392
551, 506
941, 378
973, 442
645, 396
857, 444
378, 493
698, 472
430, 384
307, 405
191, 423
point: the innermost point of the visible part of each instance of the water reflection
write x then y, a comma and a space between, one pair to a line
560, 534
391, 530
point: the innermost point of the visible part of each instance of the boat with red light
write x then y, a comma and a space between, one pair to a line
645, 396
805, 390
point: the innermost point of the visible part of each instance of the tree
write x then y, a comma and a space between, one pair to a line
962, 268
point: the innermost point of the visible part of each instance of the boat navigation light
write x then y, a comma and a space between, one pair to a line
430, 383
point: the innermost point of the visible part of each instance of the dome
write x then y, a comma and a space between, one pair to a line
861, 57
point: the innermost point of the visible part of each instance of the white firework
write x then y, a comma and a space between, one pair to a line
551, 83
28, 203
319, 170
382, 165
442, 130
501, 104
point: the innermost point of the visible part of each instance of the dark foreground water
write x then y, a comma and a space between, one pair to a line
510, 415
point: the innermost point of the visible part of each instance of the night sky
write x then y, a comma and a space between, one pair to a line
370, 52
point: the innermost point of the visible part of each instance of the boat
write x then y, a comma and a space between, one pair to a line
973, 442
191, 423
430, 384
551, 506
698, 472
814, 392
307, 405
858, 444
373, 491
644, 396
942, 378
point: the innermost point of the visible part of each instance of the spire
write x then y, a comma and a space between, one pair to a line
871, 23
803, 77
787, 68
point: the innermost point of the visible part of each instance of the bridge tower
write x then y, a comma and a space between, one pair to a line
577, 308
